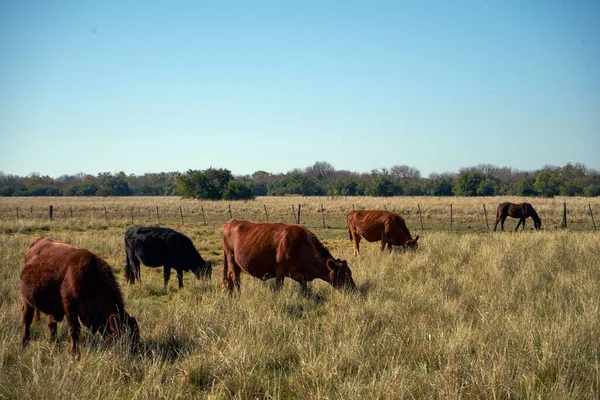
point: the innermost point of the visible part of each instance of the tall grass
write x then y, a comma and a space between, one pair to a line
468, 315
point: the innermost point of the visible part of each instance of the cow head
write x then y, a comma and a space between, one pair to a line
340, 275
126, 325
412, 244
203, 269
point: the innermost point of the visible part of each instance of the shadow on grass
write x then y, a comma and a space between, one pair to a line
168, 349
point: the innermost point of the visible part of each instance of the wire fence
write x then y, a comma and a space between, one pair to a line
436, 216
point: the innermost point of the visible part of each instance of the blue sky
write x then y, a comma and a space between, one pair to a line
276, 85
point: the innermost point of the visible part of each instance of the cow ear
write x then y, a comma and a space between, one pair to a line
113, 323
331, 264
416, 238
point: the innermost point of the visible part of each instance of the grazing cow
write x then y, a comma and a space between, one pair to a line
521, 211
277, 250
155, 247
376, 225
61, 279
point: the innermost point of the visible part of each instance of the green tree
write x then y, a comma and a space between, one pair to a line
383, 185
547, 184
207, 184
237, 189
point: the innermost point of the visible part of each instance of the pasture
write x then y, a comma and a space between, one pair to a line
470, 314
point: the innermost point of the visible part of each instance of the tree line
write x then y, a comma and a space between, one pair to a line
316, 180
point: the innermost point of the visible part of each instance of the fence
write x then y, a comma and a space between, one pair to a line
466, 216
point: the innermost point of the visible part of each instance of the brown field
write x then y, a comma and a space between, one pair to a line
471, 314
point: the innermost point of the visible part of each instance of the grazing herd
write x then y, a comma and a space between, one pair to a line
60, 279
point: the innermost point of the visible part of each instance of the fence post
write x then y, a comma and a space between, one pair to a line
230, 213
157, 216
31, 210
181, 214
293, 213
50, 211
384, 207
352, 206
202, 210
592, 214
451, 216
486, 220
71, 210
131, 215
106, 214
266, 214
420, 218
323, 214
564, 218
298, 214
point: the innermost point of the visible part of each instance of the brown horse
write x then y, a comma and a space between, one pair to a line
521, 211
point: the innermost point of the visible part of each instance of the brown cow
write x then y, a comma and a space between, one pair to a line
376, 225
277, 250
61, 279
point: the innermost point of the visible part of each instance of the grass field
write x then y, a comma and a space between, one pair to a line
471, 314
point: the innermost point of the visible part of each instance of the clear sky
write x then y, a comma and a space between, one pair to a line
276, 85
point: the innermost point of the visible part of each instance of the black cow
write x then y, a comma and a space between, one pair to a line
156, 246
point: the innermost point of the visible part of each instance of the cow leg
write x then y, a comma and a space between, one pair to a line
280, 273
180, 278
226, 278
355, 242
382, 245
523, 226
502, 224
132, 266
74, 326
389, 245
28, 312
236, 271
167, 275
51, 325
304, 288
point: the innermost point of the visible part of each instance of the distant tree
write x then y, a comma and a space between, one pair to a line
440, 185
237, 189
475, 184
404, 172
525, 187
320, 170
207, 184
547, 184
383, 186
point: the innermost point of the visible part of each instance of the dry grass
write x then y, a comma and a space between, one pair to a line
469, 315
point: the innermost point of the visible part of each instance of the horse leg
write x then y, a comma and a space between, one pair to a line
28, 312
519, 223
496, 225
